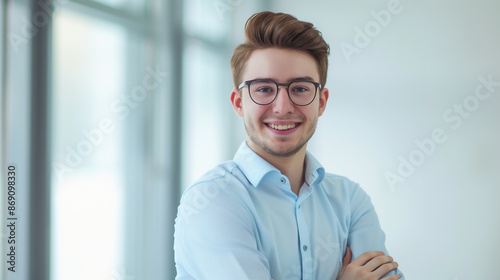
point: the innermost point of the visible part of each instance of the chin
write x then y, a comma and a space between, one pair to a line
282, 150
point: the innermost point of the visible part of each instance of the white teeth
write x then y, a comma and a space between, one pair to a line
282, 127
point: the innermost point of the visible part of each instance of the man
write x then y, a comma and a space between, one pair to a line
273, 212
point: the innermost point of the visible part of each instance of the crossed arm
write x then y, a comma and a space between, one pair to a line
368, 266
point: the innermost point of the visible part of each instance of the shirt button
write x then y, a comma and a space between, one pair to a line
283, 180
298, 206
304, 247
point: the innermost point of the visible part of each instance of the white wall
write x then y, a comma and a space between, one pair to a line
442, 220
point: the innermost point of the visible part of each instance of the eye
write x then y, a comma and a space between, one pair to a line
299, 89
265, 89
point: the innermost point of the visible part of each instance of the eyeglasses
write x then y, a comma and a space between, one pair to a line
265, 91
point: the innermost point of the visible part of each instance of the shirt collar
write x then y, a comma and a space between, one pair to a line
252, 165
315, 172
256, 168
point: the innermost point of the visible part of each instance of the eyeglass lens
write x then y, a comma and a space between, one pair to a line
264, 92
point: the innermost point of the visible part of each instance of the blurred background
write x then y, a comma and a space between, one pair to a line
111, 108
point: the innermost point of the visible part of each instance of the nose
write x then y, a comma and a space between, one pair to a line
283, 105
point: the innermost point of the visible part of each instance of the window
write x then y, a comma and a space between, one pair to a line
109, 83
89, 62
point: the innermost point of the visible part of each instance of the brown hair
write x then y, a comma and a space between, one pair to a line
279, 30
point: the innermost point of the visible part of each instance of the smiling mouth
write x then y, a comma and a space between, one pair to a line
282, 126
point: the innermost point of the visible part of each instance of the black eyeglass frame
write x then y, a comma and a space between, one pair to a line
247, 83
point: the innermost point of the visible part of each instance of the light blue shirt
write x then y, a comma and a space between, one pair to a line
242, 221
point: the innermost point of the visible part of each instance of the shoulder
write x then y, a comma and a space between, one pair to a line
343, 190
225, 177
217, 173
339, 180
219, 193
333, 183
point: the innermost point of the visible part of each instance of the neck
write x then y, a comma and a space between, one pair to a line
292, 166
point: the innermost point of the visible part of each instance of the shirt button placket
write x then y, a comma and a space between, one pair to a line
304, 243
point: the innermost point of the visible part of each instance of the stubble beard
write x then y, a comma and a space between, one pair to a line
269, 148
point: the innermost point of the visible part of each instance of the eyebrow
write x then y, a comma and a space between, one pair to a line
305, 78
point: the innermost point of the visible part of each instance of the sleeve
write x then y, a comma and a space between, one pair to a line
365, 233
215, 237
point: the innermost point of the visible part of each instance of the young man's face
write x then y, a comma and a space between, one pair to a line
296, 123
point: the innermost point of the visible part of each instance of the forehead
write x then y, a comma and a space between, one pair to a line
280, 65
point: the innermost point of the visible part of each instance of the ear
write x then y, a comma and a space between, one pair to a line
237, 102
323, 98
